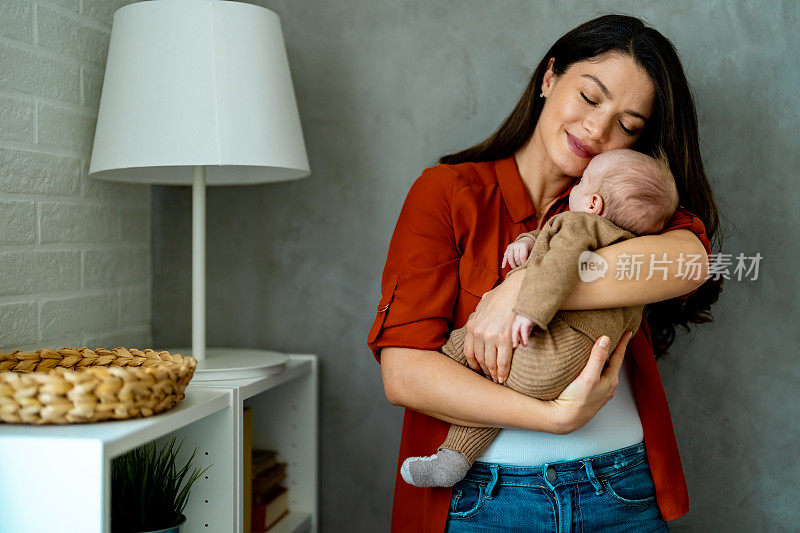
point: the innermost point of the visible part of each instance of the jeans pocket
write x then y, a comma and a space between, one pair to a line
633, 487
468, 498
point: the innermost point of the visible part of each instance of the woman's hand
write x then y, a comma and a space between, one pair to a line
487, 345
593, 387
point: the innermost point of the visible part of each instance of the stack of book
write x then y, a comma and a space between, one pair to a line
269, 497
265, 500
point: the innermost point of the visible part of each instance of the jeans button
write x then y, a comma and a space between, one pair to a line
550, 473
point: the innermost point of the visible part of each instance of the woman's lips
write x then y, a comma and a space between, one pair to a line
576, 147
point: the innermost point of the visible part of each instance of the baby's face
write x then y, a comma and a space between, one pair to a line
583, 195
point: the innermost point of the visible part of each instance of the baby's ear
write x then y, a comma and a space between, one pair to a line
597, 205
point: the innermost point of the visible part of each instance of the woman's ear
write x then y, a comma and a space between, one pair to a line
549, 78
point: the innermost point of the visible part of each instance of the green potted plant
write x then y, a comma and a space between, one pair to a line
148, 492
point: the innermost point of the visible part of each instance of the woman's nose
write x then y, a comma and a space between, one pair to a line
595, 127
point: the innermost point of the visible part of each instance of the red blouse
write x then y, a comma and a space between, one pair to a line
444, 254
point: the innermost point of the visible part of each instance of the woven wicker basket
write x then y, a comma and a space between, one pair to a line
72, 386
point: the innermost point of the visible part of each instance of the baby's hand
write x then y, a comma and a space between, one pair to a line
517, 252
520, 330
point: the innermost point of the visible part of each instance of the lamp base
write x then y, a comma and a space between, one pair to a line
222, 364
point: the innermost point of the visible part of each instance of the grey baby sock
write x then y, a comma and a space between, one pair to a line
442, 469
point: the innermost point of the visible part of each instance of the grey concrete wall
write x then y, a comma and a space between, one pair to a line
384, 88
74, 252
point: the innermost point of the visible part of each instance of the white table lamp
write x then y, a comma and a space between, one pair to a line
199, 92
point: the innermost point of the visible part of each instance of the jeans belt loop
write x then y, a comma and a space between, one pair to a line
592, 478
490, 486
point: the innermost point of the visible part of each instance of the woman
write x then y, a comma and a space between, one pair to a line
609, 83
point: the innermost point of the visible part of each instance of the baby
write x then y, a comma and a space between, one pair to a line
622, 194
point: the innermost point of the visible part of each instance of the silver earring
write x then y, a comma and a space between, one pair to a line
541, 95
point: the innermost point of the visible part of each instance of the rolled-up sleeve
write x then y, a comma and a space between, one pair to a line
419, 284
685, 219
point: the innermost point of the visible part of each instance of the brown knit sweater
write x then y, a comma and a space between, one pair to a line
560, 343
552, 272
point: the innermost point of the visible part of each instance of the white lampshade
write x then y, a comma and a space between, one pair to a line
197, 82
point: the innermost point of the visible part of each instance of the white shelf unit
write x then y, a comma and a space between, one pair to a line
58, 477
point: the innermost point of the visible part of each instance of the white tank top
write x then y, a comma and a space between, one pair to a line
615, 426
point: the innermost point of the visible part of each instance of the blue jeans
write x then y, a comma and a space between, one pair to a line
612, 492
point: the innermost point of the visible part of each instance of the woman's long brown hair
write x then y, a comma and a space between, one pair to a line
673, 127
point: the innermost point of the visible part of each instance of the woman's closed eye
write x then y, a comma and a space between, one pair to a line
585, 98
626, 130
621, 125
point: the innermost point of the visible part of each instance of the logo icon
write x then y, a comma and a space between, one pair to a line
591, 266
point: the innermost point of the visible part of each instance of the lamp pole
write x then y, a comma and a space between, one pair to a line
199, 262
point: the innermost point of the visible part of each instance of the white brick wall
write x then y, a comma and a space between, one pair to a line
74, 251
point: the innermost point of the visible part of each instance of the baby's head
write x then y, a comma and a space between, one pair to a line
633, 190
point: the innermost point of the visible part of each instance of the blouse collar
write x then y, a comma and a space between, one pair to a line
512, 188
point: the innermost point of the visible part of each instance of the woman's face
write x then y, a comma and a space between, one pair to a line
594, 106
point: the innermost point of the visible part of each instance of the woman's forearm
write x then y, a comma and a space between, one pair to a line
434, 384
609, 291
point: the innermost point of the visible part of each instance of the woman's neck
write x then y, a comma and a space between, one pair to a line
542, 179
